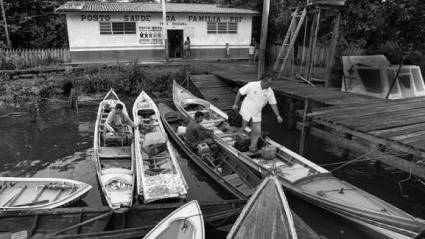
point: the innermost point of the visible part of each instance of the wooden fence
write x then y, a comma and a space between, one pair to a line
25, 58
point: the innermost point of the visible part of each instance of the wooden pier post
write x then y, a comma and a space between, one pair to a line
305, 127
331, 56
292, 116
263, 40
312, 44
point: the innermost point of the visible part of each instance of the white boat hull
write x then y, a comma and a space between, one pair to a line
39, 193
158, 176
184, 223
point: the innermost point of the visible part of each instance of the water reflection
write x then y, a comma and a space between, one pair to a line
59, 145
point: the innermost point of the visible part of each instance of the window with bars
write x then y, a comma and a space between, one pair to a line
222, 27
108, 28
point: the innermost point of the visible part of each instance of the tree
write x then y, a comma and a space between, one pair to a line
33, 24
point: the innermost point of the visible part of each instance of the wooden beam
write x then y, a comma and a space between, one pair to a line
354, 146
331, 56
263, 41
377, 140
313, 41
305, 127
164, 31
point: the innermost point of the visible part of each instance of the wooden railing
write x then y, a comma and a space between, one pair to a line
26, 58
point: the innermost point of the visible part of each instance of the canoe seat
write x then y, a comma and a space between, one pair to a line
246, 190
234, 180
115, 152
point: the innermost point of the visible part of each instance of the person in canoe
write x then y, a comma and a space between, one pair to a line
257, 95
117, 121
195, 133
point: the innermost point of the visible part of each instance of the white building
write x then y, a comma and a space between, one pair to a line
112, 32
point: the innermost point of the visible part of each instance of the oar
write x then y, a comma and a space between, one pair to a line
32, 203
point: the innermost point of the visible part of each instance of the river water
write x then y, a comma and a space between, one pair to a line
59, 145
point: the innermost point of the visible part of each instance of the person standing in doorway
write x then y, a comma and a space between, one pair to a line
187, 47
228, 51
257, 95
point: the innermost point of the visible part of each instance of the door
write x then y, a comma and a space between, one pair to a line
175, 43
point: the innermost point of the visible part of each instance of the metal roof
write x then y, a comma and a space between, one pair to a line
92, 6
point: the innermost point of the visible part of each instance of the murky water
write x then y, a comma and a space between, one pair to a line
59, 145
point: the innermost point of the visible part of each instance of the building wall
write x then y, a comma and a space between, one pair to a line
88, 45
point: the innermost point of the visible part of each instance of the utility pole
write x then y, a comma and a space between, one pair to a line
9, 44
164, 31
263, 40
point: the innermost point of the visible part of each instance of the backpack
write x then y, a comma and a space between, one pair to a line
235, 119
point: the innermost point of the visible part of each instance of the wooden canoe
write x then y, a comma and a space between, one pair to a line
113, 157
88, 222
266, 215
306, 179
39, 193
230, 173
219, 164
184, 223
158, 172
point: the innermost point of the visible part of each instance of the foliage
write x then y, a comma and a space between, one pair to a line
33, 24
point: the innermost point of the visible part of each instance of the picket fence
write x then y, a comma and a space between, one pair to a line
26, 58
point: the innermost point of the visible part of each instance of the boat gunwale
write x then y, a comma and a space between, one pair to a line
172, 160
83, 188
304, 194
96, 148
251, 202
203, 165
198, 216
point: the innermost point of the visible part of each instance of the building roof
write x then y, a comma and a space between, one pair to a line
92, 6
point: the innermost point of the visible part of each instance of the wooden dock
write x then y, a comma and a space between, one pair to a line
390, 131
214, 90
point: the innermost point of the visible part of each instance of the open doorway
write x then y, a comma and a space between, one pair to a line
175, 43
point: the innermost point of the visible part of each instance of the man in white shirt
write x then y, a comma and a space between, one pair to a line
257, 95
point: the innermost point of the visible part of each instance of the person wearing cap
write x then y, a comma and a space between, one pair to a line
257, 95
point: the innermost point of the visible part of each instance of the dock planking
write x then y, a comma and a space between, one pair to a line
397, 124
300, 91
215, 90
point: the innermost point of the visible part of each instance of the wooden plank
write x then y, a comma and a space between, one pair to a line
236, 182
230, 176
247, 191
115, 152
354, 146
100, 224
388, 133
378, 118
371, 106
375, 139
372, 111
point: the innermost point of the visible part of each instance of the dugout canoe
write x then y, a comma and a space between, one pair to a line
158, 172
113, 157
266, 215
184, 223
223, 167
102, 222
306, 179
39, 193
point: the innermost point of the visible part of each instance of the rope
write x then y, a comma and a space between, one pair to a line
222, 221
358, 158
404, 180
